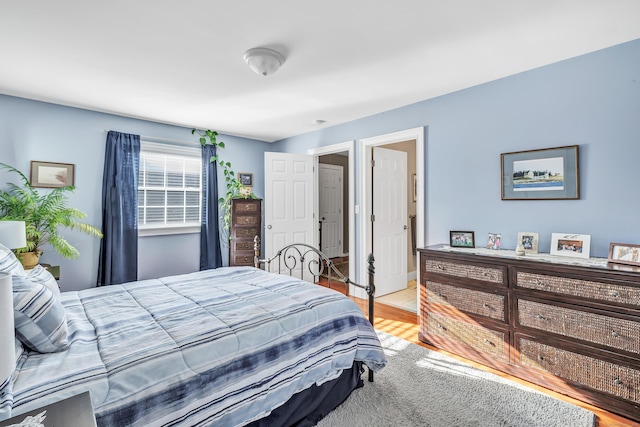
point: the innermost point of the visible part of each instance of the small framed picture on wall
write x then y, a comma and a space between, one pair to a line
245, 179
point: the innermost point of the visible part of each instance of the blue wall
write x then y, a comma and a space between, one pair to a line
31, 130
592, 101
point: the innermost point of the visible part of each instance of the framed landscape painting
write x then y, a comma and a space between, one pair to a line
546, 174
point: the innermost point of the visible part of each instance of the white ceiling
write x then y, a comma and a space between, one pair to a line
181, 62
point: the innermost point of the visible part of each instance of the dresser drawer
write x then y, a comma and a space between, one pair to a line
243, 246
471, 301
248, 206
490, 274
246, 220
485, 340
596, 328
618, 294
242, 259
607, 377
246, 232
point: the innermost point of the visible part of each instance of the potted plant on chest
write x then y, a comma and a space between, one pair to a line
44, 214
235, 189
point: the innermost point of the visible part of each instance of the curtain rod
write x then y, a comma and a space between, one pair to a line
162, 139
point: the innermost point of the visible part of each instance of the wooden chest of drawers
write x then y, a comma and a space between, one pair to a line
245, 225
572, 328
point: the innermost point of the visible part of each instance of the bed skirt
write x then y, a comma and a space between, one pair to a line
309, 406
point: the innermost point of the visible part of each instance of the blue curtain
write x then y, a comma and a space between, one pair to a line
210, 253
119, 247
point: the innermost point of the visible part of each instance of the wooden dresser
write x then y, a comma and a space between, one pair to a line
245, 225
573, 328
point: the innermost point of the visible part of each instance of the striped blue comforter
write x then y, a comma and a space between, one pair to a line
218, 347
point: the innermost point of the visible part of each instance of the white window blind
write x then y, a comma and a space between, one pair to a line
169, 188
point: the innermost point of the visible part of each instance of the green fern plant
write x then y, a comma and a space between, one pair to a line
235, 189
43, 215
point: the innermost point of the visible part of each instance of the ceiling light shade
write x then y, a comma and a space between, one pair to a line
263, 61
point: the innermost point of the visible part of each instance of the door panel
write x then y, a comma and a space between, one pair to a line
288, 201
391, 220
331, 209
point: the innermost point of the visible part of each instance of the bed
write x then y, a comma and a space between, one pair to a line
229, 346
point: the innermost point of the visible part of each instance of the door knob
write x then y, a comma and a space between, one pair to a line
405, 227
269, 227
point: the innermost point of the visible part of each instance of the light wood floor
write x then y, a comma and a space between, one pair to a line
404, 324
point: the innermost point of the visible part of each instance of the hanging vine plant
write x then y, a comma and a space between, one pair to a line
235, 189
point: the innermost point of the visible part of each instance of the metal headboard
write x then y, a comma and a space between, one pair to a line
307, 260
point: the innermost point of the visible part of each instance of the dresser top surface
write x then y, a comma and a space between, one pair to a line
506, 254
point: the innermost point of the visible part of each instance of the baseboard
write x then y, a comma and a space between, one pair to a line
412, 275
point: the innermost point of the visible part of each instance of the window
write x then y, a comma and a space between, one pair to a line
169, 189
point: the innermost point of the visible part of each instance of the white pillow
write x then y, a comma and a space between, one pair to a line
9, 263
41, 275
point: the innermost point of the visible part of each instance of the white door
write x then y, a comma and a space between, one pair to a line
288, 201
331, 209
390, 220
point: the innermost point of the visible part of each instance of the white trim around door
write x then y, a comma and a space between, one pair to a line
339, 148
364, 167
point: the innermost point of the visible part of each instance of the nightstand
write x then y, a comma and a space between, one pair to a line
75, 411
53, 269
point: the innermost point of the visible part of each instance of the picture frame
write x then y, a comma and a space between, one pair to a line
624, 253
245, 179
462, 239
493, 241
570, 245
545, 174
52, 175
529, 241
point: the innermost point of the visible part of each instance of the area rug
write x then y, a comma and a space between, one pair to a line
343, 267
420, 387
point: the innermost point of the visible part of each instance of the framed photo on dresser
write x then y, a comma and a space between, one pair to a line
624, 253
462, 239
570, 245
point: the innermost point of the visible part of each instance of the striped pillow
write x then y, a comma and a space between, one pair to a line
9, 263
41, 275
40, 319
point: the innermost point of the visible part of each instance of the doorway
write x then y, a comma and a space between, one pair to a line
343, 155
415, 138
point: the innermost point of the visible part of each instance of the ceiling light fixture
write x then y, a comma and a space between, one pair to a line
263, 61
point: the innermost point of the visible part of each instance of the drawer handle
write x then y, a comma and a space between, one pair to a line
485, 274
440, 267
539, 282
441, 327
485, 305
614, 294
487, 341
618, 381
441, 295
541, 358
539, 316
615, 334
